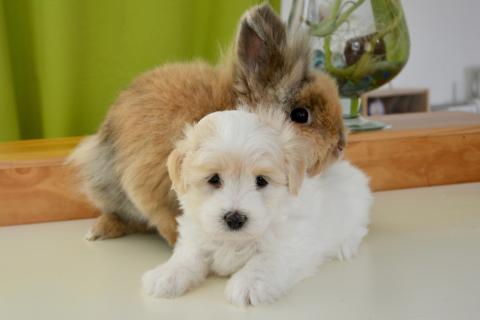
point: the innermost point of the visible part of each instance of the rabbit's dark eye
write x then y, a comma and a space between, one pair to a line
261, 182
215, 181
300, 115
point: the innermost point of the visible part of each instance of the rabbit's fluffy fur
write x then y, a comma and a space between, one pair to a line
291, 224
123, 166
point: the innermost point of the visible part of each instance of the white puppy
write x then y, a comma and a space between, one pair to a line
249, 212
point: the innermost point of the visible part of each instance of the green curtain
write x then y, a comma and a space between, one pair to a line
62, 62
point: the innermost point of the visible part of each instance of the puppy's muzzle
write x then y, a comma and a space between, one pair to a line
235, 220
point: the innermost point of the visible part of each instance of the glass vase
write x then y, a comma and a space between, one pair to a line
363, 44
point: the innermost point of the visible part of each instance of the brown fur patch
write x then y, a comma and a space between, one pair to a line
109, 226
127, 163
326, 129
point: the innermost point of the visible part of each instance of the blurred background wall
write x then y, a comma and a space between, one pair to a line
445, 48
63, 62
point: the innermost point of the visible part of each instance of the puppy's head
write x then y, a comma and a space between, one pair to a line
273, 67
234, 169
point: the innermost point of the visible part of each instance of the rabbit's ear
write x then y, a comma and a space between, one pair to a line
260, 44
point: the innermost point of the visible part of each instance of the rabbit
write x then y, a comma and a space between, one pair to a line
123, 166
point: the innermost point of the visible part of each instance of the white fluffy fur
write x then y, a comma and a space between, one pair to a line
286, 236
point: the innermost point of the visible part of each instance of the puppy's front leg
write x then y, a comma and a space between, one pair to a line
264, 278
187, 267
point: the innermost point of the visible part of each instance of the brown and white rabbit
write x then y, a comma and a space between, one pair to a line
123, 166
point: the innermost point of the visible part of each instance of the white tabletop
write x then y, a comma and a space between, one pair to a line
421, 260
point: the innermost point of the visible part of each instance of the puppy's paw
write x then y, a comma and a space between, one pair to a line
244, 289
166, 282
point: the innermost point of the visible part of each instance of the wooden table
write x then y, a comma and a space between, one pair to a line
421, 149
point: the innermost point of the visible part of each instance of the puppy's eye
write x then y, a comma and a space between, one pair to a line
261, 182
215, 181
300, 115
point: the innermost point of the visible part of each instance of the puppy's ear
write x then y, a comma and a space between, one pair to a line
174, 166
295, 151
317, 167
295, 172
260, 46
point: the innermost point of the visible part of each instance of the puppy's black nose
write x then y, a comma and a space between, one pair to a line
235, 220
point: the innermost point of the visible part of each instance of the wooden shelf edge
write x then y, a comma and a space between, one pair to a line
45, 189
418, 133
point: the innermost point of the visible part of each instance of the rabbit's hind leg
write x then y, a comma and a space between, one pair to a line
95, 160
110, 225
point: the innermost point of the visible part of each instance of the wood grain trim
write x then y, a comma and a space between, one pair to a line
419, 161
387, 135
41, 193
420, 150
39, 149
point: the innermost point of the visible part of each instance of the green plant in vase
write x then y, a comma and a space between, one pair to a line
363, 44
